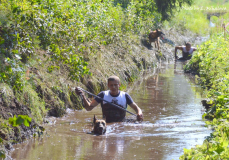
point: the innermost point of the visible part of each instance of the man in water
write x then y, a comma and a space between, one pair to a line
113, 95
187, 51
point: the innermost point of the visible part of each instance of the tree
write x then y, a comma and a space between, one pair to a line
167, 7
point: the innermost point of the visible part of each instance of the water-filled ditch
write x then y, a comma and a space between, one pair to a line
170, 101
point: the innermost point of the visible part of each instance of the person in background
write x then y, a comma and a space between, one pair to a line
187, 51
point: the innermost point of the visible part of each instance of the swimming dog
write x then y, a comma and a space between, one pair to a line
154, 37
99, 126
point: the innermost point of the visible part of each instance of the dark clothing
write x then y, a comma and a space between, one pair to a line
186, 56
112, 113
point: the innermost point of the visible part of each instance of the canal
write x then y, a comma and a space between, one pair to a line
171, 104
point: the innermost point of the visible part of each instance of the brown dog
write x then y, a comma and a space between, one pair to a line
154, 37
99, 126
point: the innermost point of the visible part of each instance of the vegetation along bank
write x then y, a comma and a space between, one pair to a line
210, 65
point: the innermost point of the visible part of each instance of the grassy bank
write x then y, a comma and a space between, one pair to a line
211, 66
44, 40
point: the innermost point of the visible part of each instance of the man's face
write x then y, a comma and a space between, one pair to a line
188, 47
114, 86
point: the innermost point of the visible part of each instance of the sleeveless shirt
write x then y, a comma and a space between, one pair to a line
112, 113
187, 54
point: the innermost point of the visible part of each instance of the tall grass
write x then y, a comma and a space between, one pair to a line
211, 64
194, 18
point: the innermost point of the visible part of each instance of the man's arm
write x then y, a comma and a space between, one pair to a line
87, 105
176, 48
137, 110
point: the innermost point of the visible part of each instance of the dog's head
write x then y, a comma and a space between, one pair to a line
160, 33
99, 126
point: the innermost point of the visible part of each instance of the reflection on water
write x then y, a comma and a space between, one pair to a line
172, 121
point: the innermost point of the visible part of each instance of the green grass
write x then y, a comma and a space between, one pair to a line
30, 98
194, 18
211, 64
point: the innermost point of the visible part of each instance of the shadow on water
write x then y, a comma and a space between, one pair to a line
172, 121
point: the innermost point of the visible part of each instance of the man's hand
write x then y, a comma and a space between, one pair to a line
138, 111
140, 117
78, 91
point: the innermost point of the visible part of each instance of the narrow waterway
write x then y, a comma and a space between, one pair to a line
172, 121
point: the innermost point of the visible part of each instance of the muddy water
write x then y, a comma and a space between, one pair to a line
172, 121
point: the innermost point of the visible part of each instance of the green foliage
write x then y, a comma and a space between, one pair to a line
211, 64
166, 7
76, 64
15, 121
2, 155
12, 74
215, 147
68, 34
30, 98
194, 18
21, 119
62, 29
